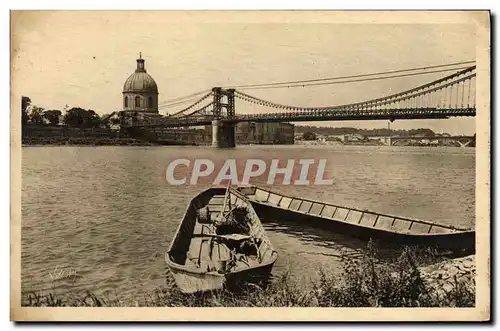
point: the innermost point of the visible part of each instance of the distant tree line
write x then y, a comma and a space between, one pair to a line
73, 117
312, 131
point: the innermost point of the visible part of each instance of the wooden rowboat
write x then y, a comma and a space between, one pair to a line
220, 243
360, 223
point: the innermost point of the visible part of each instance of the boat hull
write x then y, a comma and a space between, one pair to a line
191, 238
458, 241
193, 282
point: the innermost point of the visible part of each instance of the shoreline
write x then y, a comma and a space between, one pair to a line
99, 141
415, 279
136, 142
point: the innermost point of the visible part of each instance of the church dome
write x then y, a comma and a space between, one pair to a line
140, 80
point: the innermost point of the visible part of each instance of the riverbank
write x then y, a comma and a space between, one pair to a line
41, 135
97, 141
364, 282
337, 142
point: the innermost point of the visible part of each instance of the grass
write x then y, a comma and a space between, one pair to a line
364, 282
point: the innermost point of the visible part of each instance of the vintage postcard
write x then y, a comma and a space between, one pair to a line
268, 165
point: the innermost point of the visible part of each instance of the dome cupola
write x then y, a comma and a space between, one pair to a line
140, 92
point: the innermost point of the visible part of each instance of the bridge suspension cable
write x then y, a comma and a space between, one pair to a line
440, 84
205, 110
356, 80
180, 100
354, 76
182, 111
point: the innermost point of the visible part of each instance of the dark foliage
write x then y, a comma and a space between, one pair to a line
82, 118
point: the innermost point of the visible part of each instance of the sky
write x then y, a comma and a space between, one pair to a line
83, 58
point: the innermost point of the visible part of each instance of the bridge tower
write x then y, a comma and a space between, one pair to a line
223, 131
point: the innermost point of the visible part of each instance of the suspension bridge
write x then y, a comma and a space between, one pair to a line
453, 95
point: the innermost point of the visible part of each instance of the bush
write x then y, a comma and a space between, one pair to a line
364, 282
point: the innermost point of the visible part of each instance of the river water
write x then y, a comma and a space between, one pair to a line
101, 218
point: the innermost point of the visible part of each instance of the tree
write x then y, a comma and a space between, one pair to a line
36, 115
25, 103
309, 135
52, 116
79, 117
110, 119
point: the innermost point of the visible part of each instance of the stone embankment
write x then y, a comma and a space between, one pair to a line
441, 276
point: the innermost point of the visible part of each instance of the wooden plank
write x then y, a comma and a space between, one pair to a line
321, 211
360, 210
334, 211
193, 253
198, 228
347, 214
206, 262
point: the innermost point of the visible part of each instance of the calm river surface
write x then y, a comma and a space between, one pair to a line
101, 218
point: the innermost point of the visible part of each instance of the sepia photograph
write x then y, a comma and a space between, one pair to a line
289, 165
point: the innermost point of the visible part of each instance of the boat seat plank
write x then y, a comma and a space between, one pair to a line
205, 257
354, 216
198, 228
419, 228
305, 206
201, 229
215, 208
274, 198
384, 222
285, 202
316, 208
328, 211
193, 253
401, 225
368, 219
340, 214
261, 195
295, 204
222, 253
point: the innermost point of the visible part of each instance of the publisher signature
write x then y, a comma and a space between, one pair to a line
59, 274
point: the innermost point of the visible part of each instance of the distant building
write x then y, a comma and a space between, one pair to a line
353, 137
265, 133
140, 92
321, 138
114, 121
335, 138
